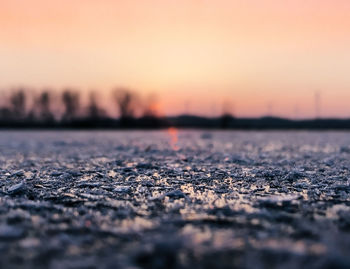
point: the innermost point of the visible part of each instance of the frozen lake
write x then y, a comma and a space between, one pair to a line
174, 199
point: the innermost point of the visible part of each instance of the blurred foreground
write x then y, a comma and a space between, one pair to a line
174, 199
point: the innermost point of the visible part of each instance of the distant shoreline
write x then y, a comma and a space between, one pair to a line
182, 122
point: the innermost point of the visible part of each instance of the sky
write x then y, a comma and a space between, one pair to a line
257, 57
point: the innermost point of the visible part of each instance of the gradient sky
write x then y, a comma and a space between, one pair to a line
258, 55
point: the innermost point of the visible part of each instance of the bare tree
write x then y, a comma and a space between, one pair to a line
151, 113
71, 104
126, 101
43, 104
5, 114
18, 103
94, 111
226, 117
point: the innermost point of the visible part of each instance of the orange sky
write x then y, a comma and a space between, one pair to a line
259, 55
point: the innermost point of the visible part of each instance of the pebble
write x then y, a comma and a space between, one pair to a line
16, 189
10, 232
122, 189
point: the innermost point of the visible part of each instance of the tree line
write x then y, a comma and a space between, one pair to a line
22, 108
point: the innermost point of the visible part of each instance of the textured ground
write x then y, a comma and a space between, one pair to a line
171, 199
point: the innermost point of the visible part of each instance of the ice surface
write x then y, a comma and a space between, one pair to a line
151, 200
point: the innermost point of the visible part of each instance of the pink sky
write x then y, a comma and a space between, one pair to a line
254, 54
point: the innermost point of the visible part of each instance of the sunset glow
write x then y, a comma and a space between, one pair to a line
265, 57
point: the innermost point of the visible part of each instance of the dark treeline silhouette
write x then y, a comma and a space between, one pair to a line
41, 110
24, 110
71, 104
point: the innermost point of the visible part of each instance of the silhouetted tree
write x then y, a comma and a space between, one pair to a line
18, 103
5, 114
94, 111
71, 104
43, 104
226, 117
150, 117
126, 101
